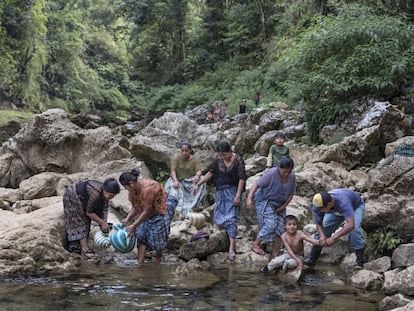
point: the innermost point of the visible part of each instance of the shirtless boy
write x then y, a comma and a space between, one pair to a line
292, 240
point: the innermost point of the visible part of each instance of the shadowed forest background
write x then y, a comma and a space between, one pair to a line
154, 56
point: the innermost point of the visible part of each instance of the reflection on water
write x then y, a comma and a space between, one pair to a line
156, 287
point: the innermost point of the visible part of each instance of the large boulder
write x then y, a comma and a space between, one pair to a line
399, 281
51, 143
394, 174
33, 243
200, 249
157, 143
380, 124
390, 192
40, 185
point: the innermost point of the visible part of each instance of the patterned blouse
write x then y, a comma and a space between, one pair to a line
228, 176
152, 197
96, 203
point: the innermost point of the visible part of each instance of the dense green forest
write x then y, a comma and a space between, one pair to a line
158, 55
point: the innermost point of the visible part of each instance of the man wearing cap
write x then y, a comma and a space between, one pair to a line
330, 209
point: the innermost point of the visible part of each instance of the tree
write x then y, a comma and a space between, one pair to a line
23, 31
353, 54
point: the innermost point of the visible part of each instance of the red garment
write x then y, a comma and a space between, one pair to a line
151, 197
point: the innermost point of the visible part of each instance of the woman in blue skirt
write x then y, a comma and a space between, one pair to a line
229, 177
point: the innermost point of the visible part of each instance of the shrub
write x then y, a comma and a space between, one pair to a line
384, 240
353, 54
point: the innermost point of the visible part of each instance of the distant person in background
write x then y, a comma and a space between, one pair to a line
185, 174
152, 212
229, 176
277, 150
257, 99
242, 107
275, 190
209, 117
83, 202
217, 114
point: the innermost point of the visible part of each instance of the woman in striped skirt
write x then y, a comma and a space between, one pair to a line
229, 177
152, 211
83, 202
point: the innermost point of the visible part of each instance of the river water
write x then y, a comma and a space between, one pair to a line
158, 287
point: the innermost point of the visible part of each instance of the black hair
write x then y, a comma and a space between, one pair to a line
223, 146
290, 217
188, 144
326, 198
127, 177
286, 162
111, 185
279, 134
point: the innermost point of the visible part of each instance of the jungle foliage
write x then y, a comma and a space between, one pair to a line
158, 55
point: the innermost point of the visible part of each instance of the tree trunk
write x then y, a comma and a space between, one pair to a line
262, 16
320, 6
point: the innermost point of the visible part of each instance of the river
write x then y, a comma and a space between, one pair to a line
158, 287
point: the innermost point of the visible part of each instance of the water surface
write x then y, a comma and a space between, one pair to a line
157, 287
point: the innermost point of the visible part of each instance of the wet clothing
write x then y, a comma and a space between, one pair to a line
272, 193
348, 204
78, 199
284, 261
226, 180
154, 231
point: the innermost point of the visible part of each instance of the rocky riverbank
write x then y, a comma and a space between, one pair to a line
51, 152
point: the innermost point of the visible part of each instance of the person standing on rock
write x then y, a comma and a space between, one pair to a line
243, 106
185, 174
229, 177
152, 211
257, 99
330, 209
277, 150
275, 189
82, 203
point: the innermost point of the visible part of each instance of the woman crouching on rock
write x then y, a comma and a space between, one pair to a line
152, 211
83, 202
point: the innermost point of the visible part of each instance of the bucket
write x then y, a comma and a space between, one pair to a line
101, 239
196, 219
119, 239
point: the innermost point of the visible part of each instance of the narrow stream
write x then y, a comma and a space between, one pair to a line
157, 287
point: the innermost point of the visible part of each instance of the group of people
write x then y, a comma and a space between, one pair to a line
330, 210
243, 104
151, 212
153, 207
